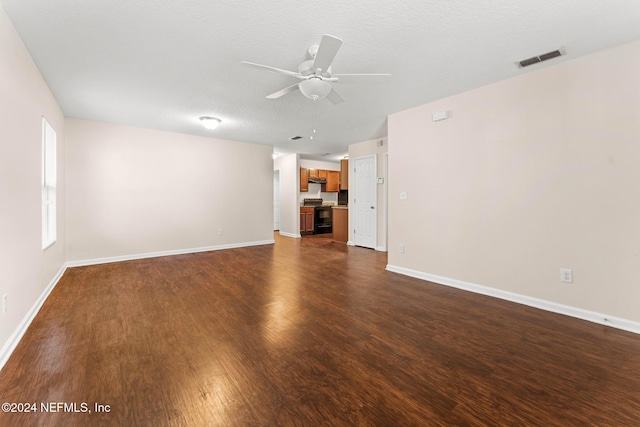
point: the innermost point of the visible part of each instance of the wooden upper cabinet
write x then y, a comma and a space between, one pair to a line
304, 179
332, 185
333, 182
344, 174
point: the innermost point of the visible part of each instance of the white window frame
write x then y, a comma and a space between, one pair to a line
48, 185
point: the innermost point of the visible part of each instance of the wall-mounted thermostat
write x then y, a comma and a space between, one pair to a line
440, 115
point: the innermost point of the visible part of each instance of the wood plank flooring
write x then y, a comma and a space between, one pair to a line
308, 332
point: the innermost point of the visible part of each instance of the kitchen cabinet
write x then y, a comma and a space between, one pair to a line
340, 224
333, 182
304, 179
306, 220
332, 178
344, 174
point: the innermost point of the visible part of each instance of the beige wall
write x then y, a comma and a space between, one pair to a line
135, 191
529, 175
318, 164
26, 269
364, 149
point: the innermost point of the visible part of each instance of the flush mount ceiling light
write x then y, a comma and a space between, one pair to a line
210, 122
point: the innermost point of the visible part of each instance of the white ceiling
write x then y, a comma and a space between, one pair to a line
161, 64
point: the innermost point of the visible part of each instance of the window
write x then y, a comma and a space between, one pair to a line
48, 185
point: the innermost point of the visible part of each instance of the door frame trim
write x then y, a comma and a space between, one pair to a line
375, 195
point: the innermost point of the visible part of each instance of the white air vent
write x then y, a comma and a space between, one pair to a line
540, 58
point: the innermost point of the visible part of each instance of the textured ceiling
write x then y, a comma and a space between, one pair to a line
161, 64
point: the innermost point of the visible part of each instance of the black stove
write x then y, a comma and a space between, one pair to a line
322, 216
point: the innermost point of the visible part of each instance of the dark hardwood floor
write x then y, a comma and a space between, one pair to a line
308, 332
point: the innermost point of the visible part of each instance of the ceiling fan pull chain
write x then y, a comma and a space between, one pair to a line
314, 111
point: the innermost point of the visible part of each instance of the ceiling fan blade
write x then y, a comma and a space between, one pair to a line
329, 46
351, 78
358, 75
335, 97
283, 92
274, 69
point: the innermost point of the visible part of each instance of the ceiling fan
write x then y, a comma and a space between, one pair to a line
315, 73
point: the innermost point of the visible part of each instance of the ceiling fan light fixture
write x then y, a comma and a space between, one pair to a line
210, 122
315, 88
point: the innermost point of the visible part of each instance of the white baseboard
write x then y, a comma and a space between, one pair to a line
17, 335
351, 243
84, 262
294, 235
381, 249
591, 316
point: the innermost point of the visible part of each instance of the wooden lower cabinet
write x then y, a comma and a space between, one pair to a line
306, 220
341, 224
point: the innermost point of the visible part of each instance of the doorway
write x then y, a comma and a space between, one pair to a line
276, 200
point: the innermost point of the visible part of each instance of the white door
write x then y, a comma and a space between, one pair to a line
276, 200
365, 220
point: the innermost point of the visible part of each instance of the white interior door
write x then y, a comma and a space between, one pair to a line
276, 200
365, 202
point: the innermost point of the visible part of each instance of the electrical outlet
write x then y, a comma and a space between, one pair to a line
403, 195
566, 275
220, 232
401, 248
5, 302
